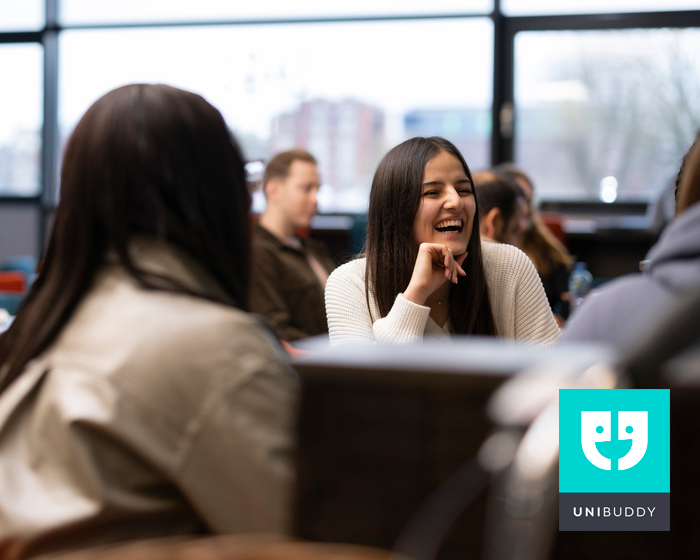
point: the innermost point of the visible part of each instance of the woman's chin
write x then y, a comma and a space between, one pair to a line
457, 247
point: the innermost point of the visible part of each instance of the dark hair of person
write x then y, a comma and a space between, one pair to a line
145, 160
496, 190
539, 243
394, 200
681, 173
278, 166
689, 187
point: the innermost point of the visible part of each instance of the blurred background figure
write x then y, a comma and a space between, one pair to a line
549, 255
662, 209
289, 269
671, 269
137, 399
501, 207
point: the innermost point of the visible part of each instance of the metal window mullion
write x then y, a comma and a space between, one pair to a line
584, 22
502, 101
49, 187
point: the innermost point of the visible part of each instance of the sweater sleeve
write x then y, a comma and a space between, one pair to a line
350, 320
534, 320
518, 301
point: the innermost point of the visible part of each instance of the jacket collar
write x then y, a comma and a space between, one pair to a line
167, 264
268, 237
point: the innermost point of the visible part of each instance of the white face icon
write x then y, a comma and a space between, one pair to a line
633, 425
596, 427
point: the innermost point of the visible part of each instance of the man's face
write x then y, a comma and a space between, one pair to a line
296, 194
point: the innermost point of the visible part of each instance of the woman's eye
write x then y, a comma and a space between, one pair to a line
465, 191
430, 193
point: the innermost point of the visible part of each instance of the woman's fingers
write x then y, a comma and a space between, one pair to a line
459, 259
427, 276
447, 259
443, 257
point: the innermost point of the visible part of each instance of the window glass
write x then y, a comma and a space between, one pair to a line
21, 119
23, 15
606, 115
89, 11
308, 85
557, 7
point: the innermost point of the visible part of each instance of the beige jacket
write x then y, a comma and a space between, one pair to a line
152, 414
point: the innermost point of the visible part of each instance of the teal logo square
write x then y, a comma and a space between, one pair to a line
614, 440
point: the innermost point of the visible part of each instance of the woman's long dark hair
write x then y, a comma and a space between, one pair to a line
394, 200
145, 160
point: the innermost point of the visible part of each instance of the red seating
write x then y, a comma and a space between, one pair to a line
13, 281
554, 221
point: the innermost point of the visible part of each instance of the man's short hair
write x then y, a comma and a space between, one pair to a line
278, 166
495, 190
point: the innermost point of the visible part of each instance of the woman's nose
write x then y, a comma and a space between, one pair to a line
453, 200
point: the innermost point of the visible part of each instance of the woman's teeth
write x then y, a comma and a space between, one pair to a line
449, 225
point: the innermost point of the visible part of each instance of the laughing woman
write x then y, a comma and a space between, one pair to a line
426, 271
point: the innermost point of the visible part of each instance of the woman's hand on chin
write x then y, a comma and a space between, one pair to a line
434, 266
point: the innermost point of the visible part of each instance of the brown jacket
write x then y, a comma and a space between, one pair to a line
285, 288
152, 414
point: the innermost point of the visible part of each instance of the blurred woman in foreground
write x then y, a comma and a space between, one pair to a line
137, 399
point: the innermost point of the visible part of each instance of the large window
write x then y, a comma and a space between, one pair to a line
21, 119
606, 115
597, 99
347, 92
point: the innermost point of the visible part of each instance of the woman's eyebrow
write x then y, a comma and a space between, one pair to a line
433, 183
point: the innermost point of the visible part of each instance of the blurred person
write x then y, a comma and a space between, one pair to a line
662, 209
672, 267
137, 398
426, 271
501, 207
290, 272
221, 547
549, 255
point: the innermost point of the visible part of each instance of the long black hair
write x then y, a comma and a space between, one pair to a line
394, 200
145, 160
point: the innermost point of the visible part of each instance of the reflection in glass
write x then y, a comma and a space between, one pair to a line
606, 105
21, 119
347, 92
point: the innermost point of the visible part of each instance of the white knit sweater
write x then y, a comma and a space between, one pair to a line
518, 302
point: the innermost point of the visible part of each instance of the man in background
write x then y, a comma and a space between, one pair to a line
290, 270
501, 207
